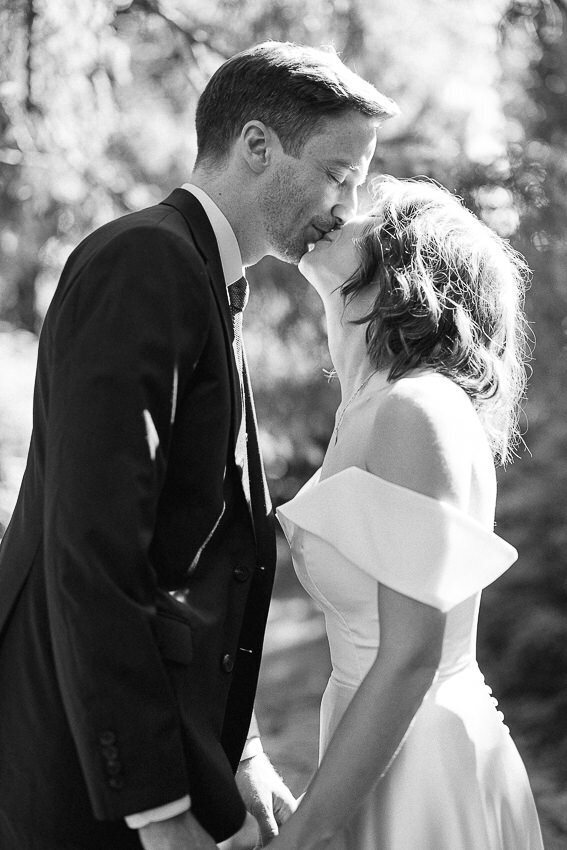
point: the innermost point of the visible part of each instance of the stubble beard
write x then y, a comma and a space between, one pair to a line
285, 248
279, 196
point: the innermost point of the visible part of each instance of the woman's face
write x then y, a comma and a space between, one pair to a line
335, 257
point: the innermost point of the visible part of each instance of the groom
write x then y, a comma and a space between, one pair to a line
135, 575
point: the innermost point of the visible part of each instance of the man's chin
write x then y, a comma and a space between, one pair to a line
291, 253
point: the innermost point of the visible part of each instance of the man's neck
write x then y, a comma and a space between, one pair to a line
233, 205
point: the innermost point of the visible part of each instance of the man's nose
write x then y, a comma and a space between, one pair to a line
345, 210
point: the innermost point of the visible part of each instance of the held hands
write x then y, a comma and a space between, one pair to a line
265, 795
267, 798
184, 833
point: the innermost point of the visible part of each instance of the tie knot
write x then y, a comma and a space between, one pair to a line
238, 295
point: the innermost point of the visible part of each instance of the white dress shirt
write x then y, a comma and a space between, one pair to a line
231, 260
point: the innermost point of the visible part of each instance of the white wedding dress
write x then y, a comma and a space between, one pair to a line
457, 782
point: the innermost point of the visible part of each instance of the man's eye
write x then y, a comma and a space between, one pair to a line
335, 179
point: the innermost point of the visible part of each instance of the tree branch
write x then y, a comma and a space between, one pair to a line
153, 7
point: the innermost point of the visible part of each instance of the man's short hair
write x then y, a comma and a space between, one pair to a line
291, 88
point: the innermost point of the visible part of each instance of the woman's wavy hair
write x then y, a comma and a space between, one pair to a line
450, 298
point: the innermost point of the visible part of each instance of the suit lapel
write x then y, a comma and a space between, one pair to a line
206, 243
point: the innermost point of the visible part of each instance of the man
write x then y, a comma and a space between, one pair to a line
135, 575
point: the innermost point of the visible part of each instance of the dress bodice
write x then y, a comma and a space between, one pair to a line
354, 531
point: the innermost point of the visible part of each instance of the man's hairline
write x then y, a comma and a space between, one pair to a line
215, 161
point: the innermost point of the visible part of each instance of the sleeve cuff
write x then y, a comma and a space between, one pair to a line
169, 810
252, 747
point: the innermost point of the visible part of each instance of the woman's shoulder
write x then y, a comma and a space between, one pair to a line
431, 400
426, 397
427, 388
426, 436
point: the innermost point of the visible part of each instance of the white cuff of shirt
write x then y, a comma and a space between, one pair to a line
169, 810
252, 747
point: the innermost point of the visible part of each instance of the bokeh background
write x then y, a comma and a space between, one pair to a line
97, 103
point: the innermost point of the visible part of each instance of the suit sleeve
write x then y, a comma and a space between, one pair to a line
126, 335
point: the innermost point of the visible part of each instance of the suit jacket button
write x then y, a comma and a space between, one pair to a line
241, 573
113, 768
110, 752
227, 663
107, 738
116, 782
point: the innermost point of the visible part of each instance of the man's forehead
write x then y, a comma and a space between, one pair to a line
344, 143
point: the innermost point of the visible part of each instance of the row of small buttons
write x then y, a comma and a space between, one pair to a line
112, 765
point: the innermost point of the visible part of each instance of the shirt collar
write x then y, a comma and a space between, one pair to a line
231, 258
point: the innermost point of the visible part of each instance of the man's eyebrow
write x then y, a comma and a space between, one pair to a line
362, 174
344, 163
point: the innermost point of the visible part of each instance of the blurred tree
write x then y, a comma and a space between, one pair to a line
96, 118
530, 663
58, 111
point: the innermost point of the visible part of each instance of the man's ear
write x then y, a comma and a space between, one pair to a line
257, 143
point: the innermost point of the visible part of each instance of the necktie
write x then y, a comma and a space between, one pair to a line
238, 297
247, 448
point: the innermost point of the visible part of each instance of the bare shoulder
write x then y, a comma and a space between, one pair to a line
426, 437
433, 400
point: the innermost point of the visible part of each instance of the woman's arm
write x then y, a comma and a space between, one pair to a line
374, 724
415, 445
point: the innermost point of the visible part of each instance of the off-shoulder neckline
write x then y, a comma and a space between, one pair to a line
348, 471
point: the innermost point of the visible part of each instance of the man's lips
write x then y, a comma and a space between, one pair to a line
319, 234
325, 235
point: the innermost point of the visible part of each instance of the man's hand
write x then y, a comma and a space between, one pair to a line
265, 795
182, 832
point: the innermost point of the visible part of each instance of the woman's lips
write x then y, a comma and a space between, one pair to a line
323, 236
329, 237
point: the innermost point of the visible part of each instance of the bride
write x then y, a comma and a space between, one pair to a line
393, 537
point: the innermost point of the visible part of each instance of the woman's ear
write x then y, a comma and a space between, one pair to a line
257, 143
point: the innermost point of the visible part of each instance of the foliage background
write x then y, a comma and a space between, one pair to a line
97, 104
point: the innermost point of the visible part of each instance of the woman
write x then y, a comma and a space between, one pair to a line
394, 535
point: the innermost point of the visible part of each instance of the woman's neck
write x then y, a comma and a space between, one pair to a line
347, 342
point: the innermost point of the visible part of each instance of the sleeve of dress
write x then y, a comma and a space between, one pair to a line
416, 545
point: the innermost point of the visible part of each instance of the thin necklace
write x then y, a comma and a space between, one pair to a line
356, 393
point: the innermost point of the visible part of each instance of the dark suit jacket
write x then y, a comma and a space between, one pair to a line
115, 697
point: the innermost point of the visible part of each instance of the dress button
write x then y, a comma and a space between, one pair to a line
227, 663
241, 573
107, 738
116, 782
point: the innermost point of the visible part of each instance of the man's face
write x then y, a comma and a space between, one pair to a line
304, 197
